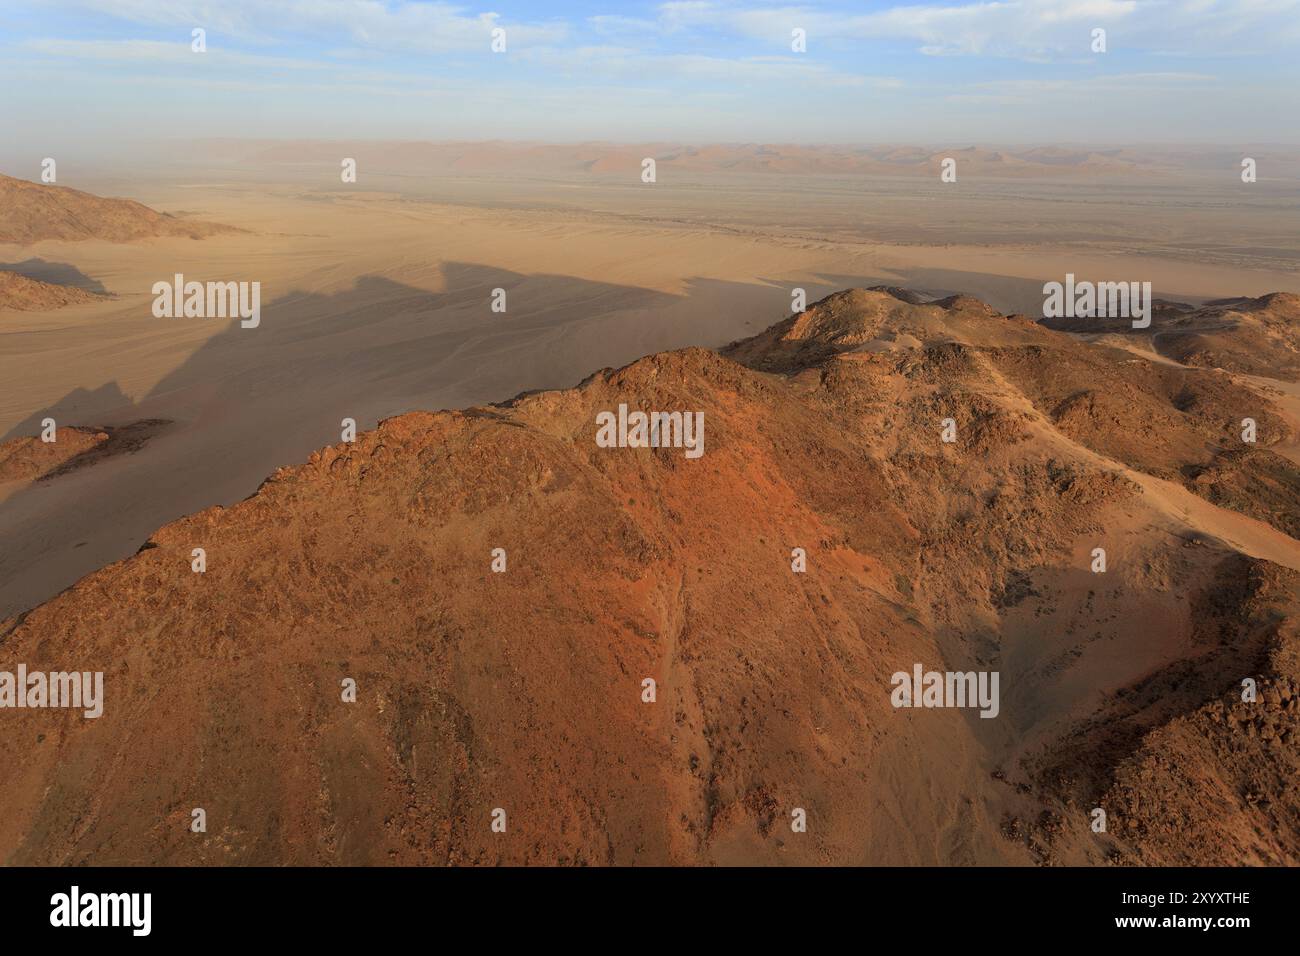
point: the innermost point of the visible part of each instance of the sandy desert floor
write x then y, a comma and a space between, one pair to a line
377, 302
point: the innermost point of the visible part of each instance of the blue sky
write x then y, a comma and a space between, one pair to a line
992, 71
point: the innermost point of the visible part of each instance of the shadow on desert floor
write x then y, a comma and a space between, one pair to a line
55, 273
250, 400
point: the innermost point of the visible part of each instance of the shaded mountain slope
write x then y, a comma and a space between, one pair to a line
1259, 336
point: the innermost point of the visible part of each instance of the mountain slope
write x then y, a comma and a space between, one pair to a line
1259, 336
31, 212
522, 690
22, 294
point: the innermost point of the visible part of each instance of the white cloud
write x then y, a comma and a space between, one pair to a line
1027, 29
159, 52
399, 25
652, 68
620, 25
